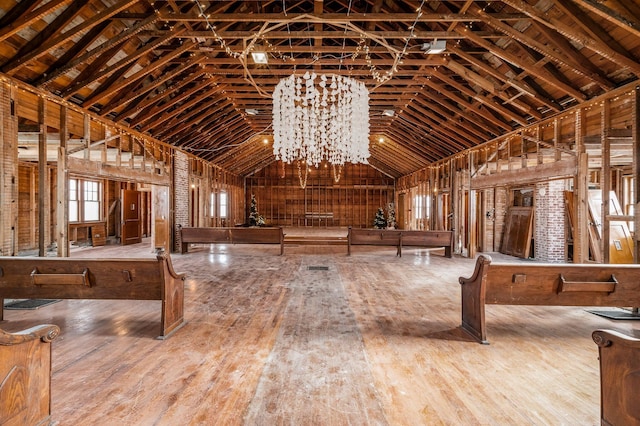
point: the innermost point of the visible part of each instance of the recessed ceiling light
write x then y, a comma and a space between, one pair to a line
260, 57
437, 46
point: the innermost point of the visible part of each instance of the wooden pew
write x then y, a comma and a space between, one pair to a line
619, 377
70, 278
399, 238
236, 235
25, 375
544, 284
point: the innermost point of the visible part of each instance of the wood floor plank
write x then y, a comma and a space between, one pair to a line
372, 340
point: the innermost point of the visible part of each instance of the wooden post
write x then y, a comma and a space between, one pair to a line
605, 181
43, 181
9, 175
581, 185
635, 135
62, 196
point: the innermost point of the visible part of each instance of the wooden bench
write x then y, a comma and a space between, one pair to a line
399, 238
236, 235
25, 375
619, 377
70, 278
544, 284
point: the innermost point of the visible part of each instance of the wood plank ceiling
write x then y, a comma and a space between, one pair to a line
182, 72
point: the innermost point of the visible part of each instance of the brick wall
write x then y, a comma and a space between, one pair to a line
180, 194
549, 225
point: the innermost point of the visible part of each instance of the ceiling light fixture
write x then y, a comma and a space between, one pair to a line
321, 118
388, 112
251, 111
260, 57
435, 47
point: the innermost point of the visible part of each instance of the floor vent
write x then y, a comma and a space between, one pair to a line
318, 268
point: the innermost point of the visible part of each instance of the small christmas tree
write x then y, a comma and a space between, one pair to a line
255, 219
380, 222
391, 216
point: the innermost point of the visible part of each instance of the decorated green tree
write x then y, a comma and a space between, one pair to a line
255, 219
380, 222
391, 216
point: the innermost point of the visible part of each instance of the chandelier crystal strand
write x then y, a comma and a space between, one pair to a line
321, 118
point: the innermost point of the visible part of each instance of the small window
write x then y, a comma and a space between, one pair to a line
223, 205
85, 200
73, 201
91, 201
212, 205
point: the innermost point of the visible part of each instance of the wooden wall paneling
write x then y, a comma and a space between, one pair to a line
43, 190
10, 178
635, 136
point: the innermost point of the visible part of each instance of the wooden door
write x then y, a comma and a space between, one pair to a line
400, 212
160, 214
131, 218
620, 242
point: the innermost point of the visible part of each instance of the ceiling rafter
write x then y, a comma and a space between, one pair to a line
190, 81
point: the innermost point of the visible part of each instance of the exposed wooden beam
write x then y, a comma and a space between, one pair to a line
31, 17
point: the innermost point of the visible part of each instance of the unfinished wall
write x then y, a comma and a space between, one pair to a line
352, 201
8, 172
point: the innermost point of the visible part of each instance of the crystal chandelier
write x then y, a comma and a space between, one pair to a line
320, 118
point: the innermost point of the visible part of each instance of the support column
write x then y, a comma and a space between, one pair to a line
581, 201
43, 178
8, 170
62, 195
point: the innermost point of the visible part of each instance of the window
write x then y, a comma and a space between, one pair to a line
73, 200
223, 204
212, 205
91, 201
84, 200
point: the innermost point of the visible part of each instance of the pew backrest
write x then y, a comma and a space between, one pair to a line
235, 235
80, 278
25, 375
619, 377
399, 238
524, 283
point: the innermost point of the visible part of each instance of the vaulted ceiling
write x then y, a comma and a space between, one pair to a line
182, 71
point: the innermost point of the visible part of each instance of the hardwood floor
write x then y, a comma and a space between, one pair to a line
315, 337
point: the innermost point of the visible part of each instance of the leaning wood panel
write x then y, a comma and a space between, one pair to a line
25, 376
619, 377
516, 240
